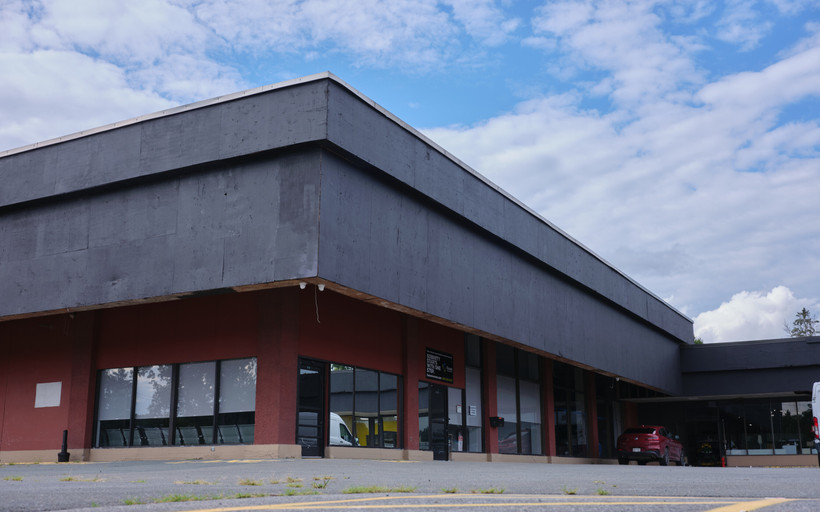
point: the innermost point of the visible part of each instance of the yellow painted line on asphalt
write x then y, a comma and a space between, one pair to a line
734, 505
750, 505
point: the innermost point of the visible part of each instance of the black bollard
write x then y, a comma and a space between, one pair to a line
64, 455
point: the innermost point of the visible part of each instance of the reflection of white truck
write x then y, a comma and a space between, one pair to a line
815, 415
339, 433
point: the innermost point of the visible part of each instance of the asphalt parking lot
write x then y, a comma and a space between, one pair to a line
322, 484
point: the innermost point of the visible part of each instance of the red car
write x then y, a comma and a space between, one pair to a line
649, 443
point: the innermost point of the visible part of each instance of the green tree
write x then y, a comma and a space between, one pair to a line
698, 341
803, 325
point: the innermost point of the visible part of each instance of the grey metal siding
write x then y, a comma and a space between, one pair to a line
380, 238
241, 127
233, 225
769, 366
373, 137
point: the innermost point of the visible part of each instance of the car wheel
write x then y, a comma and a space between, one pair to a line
665, 459
623, 462
680, 459
642, 463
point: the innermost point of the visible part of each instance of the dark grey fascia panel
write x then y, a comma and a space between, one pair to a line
239, 125
314, 109
363, 129
392, 242
247, 222
780, 353
788, 365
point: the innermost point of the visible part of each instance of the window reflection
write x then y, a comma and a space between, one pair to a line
114, 410
153, 406
195, 404
363, 407
139, 413
519, 401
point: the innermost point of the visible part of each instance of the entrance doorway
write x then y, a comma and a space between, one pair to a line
439, 422
310, 431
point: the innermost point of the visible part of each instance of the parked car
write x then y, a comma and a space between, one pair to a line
649, 443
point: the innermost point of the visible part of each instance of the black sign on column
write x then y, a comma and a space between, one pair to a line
439, 366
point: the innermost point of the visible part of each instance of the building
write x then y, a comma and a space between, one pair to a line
292, 271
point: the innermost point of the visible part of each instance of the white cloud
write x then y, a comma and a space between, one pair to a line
49, 93
483, 20
375, 33
162, 52
624, 39
752, 316
741, 24
697, 192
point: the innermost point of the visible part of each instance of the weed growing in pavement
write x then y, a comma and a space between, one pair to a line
454, 490
194, 482
376, 489
176, 498
14, 478
569, 491
78, 479
248, 481
302, 492
240, 495
602, 492
320, 482
491, 490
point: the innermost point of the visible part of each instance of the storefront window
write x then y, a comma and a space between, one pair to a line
153, 406
759, 428
195, 404
605, 399
570, 411
424, 416
114, 411
507, 409
530, 417
367, 407
341, 404
473, 411
455, 412
734, 422
388, 409
518, 389
364, 407
140, 413
237, 401
805, 422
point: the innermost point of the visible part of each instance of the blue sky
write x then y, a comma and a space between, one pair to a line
679, 140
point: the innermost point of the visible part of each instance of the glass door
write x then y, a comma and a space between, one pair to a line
311, 408
439, 422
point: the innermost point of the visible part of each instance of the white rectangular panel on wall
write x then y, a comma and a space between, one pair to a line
48, 394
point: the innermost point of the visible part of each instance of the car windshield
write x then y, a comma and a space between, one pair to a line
640, 431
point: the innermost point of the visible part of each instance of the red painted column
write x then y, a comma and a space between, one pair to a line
592, 415
277, 367
490, 393
548, 403
83, 384
410, 391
